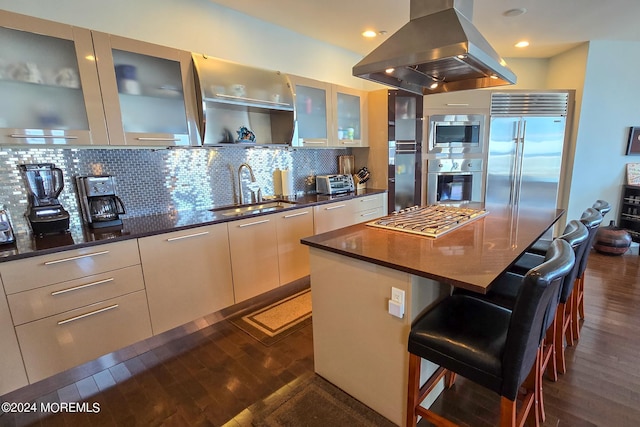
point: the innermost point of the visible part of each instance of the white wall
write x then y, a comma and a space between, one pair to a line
531, 72
204, 27
567, 71
609, 107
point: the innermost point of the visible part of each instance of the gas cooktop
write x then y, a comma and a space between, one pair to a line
432, 221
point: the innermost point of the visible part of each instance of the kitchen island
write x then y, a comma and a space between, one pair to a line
358, 345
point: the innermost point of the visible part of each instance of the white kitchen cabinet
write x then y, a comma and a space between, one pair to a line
254, 256
349, 109
458, 101
49, 84
76, 305
313, 112
148, 92
293, 257
59, 87
187, 274
56, 343
29, 273
332, 216
340, 214
368, 208
328, 115
12, 373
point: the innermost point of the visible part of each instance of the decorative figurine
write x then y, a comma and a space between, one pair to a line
245, 135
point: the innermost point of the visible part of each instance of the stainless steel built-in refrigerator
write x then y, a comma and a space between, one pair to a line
405, 149
527, 137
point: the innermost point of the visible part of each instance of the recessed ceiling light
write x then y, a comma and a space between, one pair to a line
512, 13
369, 34
522, 43
389, 70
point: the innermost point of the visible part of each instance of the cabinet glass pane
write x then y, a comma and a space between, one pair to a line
311, 107
150, 91
39, 83
348, 116
405, 118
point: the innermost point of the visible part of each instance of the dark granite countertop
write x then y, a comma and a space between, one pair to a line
28, 245
470, 257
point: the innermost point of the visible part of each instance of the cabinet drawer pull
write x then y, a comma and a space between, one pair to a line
171, 239
149, 138
73, 258
75, 288
335, 207
296, 214
253, 223
21, 135
368, 213
242, 98
315, 142
91, 313
457, 104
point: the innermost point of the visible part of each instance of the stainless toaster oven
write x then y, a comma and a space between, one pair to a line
334, 184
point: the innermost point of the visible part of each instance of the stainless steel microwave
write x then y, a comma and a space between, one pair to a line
456, 133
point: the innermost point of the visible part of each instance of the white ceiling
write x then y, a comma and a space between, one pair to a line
551, 26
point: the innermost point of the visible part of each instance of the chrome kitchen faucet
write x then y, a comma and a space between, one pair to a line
253, 179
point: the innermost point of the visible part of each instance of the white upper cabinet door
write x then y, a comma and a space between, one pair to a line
313, 112
49, 84
148, 92
349, 113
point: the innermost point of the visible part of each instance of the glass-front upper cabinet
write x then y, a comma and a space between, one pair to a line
349, 112
148, 92
313, 113
49, 84
243, 104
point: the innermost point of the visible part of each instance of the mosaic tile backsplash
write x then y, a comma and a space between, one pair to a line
158, 181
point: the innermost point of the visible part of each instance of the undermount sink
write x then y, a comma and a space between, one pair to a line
238, 210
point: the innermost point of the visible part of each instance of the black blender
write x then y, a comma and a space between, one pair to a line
44, 184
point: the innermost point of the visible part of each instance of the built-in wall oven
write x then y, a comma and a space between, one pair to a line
456, 133
454, 180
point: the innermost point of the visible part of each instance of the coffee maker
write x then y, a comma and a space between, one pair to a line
100, 205
44, 183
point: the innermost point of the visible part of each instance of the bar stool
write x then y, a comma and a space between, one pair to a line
488, 344
541, 245
576, 234
602, 206
592, 219
504, 292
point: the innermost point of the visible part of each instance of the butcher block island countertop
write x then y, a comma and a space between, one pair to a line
358, 345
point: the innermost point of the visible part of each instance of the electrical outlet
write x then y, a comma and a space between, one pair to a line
397, 295
396, 303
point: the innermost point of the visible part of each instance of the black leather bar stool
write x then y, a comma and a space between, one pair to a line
592, 219
541, 245
602, 206
576, 234
488, 344
504, 292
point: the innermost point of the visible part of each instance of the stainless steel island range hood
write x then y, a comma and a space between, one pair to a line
438, 50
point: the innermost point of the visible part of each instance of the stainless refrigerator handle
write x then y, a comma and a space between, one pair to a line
520, 159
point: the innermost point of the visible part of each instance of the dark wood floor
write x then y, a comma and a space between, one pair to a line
212, 376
